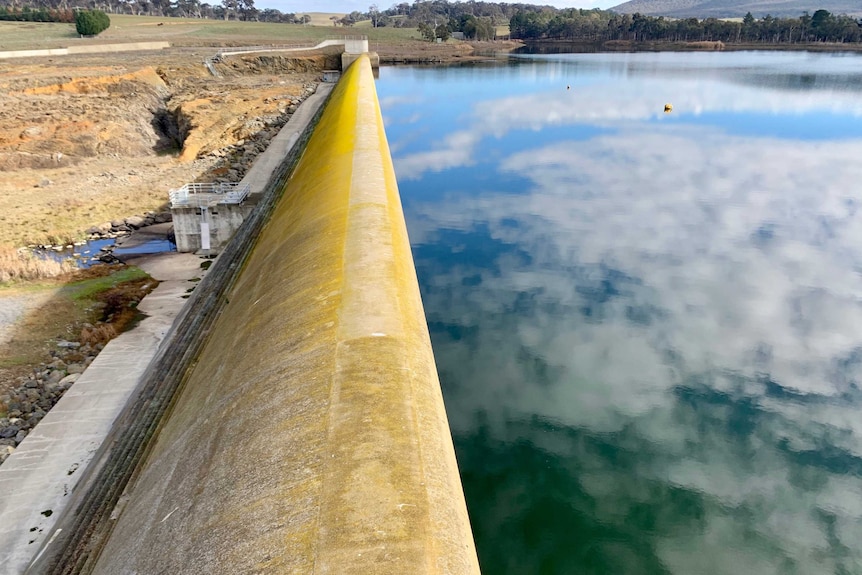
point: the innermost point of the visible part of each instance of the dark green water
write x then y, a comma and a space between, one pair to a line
648, 326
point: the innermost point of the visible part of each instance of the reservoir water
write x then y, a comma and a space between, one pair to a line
648, 326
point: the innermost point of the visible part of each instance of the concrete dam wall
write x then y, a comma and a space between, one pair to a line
309, 436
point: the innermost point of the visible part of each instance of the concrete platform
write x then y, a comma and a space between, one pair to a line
36, 480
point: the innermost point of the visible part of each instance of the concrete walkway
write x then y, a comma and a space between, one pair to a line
36, 480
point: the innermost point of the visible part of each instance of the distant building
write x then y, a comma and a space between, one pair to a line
459, 36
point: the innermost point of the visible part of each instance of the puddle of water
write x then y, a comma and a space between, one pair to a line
84, 255
87, 254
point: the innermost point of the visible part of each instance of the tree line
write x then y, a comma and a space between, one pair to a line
602, 25
87, 22
228, 9
27, 14
478, 20
400, 15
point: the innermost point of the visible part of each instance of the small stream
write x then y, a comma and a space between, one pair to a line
89, 253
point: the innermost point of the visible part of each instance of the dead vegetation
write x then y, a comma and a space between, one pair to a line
18, 265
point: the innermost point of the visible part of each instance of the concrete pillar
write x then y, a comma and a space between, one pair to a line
356, 45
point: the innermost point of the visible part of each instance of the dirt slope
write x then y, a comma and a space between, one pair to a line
88, 140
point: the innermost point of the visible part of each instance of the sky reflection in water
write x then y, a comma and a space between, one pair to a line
648, 327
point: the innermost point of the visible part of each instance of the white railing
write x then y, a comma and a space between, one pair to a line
207, 194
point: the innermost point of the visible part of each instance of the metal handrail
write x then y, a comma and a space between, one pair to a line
200, 194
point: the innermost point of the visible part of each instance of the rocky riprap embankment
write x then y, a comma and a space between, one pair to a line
120, 228
38, 392
239, 157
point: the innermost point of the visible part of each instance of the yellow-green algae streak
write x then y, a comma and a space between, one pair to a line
311, 436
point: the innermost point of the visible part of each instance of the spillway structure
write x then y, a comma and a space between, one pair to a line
306, 433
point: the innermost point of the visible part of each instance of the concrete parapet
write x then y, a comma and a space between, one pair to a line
310, 436
33, 53
127, 47
348, 58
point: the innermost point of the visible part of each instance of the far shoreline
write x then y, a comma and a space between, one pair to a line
609, 46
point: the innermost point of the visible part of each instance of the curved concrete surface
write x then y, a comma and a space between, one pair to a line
310, 436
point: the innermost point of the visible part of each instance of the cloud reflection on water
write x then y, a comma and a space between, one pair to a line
647, 263
692, 292
670, 316
692, 91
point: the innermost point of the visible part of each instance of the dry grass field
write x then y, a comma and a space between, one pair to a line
192, 32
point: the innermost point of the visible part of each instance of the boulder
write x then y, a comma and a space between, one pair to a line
135, 222
75, 368
67, 381
102, 228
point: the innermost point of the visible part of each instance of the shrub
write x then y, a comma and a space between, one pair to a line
91, 22
102, 333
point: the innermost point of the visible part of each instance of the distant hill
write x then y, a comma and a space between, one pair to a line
737, 8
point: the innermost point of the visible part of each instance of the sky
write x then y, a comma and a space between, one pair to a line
347, 6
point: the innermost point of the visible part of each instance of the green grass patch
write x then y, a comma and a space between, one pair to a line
87, 289
30, 35
15, 361
82, 299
